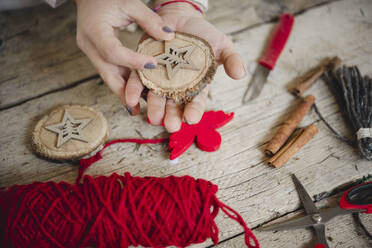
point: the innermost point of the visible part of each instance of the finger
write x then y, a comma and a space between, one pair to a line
151, 22
173, 117
133, 90
195, 109
113, 51
155, 108
233, 63
134, 110
124, 72
111, 74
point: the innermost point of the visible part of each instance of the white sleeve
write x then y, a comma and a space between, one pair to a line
55, 3
203, 3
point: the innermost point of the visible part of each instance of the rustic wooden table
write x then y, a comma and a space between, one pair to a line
41, 67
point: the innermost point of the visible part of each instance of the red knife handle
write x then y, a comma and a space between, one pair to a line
277, 41
320, 246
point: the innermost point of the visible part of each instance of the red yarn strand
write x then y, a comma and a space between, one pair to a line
236, 216
114, 211
86, 162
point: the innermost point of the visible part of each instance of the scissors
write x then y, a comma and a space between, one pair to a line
358, 199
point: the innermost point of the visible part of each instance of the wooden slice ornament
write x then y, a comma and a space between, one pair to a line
186, 65
70, 132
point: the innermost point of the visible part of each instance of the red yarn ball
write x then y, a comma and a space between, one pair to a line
114, 211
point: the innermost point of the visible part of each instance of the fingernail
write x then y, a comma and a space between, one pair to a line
167, 29
189, 122
150, 66
129, 110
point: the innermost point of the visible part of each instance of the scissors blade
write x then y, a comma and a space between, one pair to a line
256, 83
320, 234
328, 214
306, 200
301, 222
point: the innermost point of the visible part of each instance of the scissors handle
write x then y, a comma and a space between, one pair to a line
358, 197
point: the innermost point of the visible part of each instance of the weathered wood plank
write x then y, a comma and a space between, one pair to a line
39, 53
234, 15
340, 232
258, 192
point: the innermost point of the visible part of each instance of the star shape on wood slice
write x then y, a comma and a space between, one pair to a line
175, 59
68, 129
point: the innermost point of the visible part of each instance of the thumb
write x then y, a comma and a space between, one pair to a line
151, 22
233, 63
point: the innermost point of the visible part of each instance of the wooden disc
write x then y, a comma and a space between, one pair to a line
70, 132
186, 65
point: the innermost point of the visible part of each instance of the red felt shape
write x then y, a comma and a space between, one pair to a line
207, 138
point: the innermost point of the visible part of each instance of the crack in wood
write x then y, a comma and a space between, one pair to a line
60, 174
235, 107
14, 104
246, 181
279, 216
8, 79
66, 87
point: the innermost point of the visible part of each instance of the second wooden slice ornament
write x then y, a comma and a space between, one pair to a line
186, 65
70, 132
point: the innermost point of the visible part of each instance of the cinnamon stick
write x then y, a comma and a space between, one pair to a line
310, 77
293, 146
289, 125
309, 80
334, 63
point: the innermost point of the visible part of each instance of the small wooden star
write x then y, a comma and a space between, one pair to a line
175, 59
68, 129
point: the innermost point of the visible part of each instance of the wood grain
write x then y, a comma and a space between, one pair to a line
340, 232
38, 52
233, 16
258, 192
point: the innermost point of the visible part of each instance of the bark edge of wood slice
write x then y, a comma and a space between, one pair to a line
189, 78
91, 131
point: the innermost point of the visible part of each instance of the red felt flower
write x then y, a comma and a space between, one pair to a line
207, 138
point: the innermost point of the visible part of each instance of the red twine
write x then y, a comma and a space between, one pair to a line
157, 8
121, 211
86, 162
114, 211
205, 134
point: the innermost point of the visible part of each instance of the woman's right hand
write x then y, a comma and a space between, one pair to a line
98, 25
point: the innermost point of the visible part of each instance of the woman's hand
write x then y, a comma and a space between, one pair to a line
184, 18
98, 23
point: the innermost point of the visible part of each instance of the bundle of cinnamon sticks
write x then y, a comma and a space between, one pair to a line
281, 148
287, 141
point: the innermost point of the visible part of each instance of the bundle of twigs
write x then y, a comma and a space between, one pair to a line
354, 93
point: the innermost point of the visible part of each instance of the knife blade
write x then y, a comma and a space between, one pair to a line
268, 60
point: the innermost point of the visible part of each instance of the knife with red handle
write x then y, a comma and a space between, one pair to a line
271, 54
